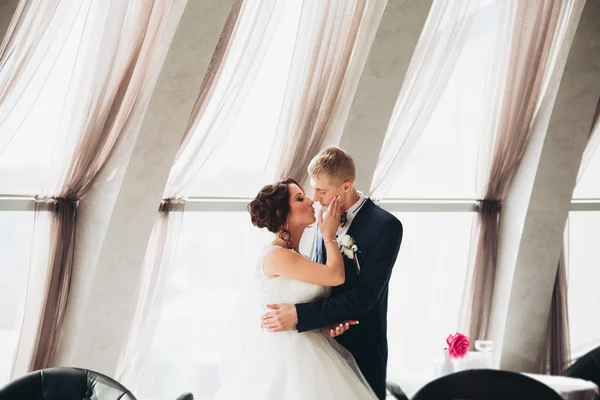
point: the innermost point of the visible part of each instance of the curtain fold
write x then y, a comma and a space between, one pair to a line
111, 70
64, 217
532, 26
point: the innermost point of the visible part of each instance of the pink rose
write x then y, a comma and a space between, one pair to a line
458, 345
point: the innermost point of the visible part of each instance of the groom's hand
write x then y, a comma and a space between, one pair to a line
282, 318
338, 329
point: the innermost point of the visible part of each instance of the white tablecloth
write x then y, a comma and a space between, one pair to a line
568, 388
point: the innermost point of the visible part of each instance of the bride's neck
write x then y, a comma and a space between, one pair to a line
294, 240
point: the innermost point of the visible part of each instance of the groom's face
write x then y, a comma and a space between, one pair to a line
325, 190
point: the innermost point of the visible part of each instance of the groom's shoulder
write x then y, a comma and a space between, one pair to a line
384, 218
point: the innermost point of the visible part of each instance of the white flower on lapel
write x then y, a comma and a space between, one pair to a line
348, 248
347, 241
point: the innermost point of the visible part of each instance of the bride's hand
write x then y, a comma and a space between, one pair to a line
329, 224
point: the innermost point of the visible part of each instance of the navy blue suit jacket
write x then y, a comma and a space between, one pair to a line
364, 296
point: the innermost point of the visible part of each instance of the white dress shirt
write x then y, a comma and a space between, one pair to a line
350, 214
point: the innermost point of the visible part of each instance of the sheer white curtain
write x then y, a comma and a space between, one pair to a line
319, 64
429, 292
107, 80
253, 25
523, 69
29, 52
435, 56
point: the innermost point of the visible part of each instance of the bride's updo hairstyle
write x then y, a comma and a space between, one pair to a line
270, 208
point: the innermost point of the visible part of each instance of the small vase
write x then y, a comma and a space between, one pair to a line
446, 364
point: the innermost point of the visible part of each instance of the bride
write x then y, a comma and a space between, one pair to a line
290, 365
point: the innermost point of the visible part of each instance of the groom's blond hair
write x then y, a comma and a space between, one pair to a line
334, 164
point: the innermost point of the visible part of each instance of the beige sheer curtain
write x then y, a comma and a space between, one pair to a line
531, 33
105, 89
319, 64
435, 56
239, 54
30, 46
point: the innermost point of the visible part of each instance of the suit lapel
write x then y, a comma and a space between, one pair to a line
360, 220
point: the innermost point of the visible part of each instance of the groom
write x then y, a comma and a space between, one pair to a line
364, 295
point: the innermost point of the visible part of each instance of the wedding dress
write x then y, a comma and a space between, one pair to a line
289, 365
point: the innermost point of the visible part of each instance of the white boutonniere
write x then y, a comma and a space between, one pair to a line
350, 250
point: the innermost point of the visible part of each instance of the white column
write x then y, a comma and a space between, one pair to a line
536, 209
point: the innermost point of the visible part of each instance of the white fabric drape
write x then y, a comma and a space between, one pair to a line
319, 64
523, 66
432, 63
255, 24
250, 41
28, 53
108, 87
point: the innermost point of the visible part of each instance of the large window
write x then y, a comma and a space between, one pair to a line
584, 278
236, 168
428, 280
187, 345
583, 261
426, 288
16, 228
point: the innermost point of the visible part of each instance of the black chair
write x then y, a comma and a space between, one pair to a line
396, 391
486, 384
65, 384
68, 384
587, 367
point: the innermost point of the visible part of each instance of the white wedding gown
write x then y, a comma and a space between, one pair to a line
290, 365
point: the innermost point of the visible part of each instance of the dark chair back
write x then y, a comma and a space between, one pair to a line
396, 391
587, 367
486, 384
65, 384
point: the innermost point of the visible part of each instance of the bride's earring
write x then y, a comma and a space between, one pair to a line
286, 226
